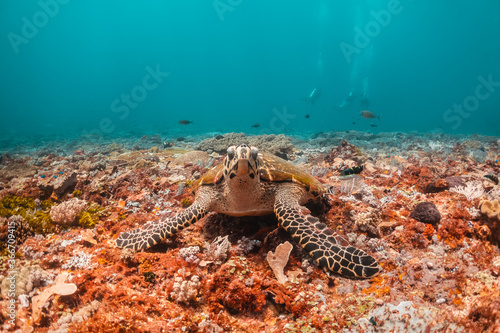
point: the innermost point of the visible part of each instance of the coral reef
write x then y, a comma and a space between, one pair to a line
404, 317
490, 208
27, 278
368, 221
22, 230
471, 190
275, 144
344, 151
438, 274
79, 261
491, 227
66, 212
217, 250
185, 291
191, 157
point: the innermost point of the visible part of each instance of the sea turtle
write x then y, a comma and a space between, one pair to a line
249, 183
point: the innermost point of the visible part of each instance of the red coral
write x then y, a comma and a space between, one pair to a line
485, 314
453, 231
228, 288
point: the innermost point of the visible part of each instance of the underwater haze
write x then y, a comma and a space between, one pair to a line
115, 68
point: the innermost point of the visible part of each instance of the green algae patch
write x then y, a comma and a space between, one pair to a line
186, 202
37, 215
90, 216
77, 193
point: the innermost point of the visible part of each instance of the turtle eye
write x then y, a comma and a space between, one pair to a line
254, 152
230, 152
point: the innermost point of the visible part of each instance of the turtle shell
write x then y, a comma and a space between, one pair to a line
211, 177
272, 169
275, 169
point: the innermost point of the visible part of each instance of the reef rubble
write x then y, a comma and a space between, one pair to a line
421, 206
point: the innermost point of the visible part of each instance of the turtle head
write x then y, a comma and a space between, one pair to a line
242, 162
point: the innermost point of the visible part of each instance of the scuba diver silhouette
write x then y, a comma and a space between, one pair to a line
358, 97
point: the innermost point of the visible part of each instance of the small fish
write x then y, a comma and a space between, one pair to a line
42, 176
181, 138
256, 125
143, 137
353, 171
373, 125
167, 144
54, 176
354, 123
307, 116
369, 115
492, 178
60, 172
185, 122
218, 137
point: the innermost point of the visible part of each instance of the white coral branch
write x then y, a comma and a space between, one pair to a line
471, 191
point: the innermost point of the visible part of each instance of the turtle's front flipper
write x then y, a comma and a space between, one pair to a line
153, 233
323, 244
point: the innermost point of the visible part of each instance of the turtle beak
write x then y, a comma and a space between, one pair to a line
242, 167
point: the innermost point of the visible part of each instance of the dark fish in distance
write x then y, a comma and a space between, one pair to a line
167, 144
256, 125
181, 138
353, 171
185, 122
373, 125
369, 115
307, 116
492, 178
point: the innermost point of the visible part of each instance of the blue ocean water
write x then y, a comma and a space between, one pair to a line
73, 68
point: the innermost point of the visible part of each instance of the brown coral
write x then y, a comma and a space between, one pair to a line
490, 208
66, 212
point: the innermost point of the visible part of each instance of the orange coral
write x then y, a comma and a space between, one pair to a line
59, 288
279, 259
490, 208
233, 287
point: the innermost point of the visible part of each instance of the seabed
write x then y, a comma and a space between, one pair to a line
69, 199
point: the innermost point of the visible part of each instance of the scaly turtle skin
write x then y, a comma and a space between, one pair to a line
251, 184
